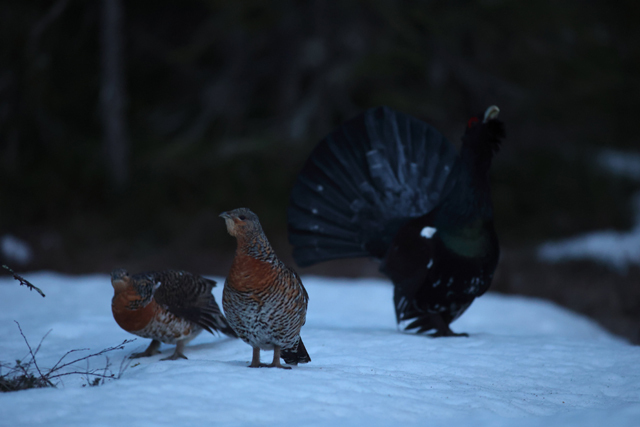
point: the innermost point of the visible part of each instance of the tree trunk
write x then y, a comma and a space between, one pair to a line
112, 94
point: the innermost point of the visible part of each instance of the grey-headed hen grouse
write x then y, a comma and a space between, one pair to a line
390, 186
169, 306
264, 300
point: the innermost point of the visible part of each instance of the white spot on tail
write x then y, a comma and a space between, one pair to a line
314, 211
157, 285
430, 263
320, 187
428, 232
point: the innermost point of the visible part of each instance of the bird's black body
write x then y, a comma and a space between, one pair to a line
390, 186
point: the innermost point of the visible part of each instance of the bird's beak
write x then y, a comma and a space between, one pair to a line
491, 113
225, 215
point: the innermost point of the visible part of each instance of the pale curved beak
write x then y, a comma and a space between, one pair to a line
225, 215
491, 113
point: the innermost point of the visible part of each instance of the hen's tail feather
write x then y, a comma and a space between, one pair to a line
297, 355
364, 180
212, 321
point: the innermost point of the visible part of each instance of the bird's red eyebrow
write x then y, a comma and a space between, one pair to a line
472, 121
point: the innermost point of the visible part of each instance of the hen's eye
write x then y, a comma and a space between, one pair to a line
242, 217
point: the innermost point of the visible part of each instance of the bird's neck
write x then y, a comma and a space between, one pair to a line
130, 312
129, 296
256, 246
470, 198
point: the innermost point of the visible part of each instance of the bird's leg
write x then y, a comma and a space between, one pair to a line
276, 359
177, 354
443, 330
150, 351
255, 361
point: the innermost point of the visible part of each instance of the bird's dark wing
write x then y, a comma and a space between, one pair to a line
363, 181
189, 296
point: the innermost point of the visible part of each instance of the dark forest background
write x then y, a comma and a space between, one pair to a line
126, 127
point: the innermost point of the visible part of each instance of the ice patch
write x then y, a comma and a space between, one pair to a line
428, 232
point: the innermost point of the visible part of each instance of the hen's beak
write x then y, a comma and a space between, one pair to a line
225, 215
491, 113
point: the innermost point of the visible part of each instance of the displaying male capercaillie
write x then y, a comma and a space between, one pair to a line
169, 306
389, 186
264, 300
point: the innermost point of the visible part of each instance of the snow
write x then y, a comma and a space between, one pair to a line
616, 249
527, 362
620, 163
15, 250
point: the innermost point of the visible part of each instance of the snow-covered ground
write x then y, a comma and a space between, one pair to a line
526, 363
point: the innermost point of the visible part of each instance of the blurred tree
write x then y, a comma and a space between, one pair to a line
220, 102
112, 94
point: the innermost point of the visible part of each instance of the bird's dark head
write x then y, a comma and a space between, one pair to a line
241, 221
484, 132
120, 278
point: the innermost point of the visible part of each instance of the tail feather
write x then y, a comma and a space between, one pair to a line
297, 355
364, 180
212, 319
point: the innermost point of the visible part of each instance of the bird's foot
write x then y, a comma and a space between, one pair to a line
255, 360
278, 365
258, 365
178, 354
447, 333
175, 356
152, 350
144, 354
276, 359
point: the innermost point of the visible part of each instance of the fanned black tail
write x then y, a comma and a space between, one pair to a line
363, 181
297, 355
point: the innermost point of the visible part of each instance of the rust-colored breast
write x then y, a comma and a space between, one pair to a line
131, 320
248, 274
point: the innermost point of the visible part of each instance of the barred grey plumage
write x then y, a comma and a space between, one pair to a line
263, 299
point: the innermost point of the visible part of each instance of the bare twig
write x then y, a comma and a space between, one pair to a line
20, 375
42, 339
33, 357
57, 366
23, 281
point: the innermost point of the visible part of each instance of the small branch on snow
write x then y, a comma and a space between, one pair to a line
33, 355
58, 366
21, 376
